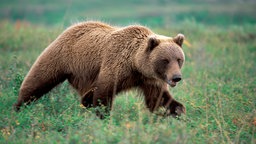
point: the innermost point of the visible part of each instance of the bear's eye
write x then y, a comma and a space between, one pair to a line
180, 62
165, 61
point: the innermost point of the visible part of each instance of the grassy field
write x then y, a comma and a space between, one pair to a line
164, 13
218, 88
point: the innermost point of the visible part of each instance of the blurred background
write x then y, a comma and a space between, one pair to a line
154, 13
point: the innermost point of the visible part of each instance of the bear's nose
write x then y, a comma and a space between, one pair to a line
176, 78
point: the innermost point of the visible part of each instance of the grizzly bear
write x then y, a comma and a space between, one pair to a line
100, 60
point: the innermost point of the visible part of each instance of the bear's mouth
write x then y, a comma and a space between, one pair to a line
171, 83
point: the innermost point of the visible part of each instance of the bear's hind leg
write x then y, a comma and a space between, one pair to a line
35, 85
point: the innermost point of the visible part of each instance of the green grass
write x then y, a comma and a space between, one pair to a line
218, 86
164, 13
218, 91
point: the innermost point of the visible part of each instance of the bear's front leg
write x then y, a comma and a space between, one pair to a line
156, 97
87, 98
173, 107
102, 101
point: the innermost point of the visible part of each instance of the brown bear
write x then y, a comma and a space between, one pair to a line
100, 60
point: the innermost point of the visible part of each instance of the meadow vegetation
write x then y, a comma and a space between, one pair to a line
218, 86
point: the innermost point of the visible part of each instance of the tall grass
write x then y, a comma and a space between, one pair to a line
218, 91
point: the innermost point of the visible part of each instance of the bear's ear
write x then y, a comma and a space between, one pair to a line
179, 39
152, 43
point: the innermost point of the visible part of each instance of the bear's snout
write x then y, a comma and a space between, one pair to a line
176, 78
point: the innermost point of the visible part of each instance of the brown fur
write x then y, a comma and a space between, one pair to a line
99, 61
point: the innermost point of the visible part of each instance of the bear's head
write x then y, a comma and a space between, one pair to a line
161, 57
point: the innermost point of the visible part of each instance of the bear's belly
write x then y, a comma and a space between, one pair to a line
82, 82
